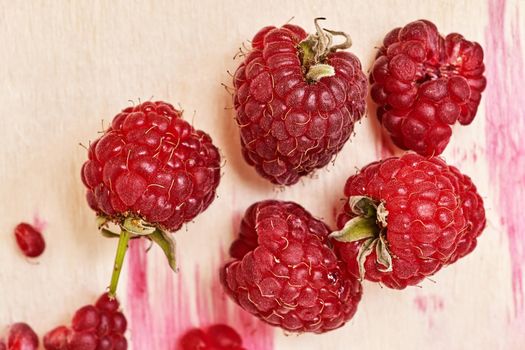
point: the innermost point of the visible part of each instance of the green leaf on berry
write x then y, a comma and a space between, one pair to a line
356, 229
167, 244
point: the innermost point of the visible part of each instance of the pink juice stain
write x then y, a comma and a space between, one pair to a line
429, 305
39, 223
505, 130
157, 320
138, 301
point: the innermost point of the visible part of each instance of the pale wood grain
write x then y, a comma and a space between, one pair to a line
67, 65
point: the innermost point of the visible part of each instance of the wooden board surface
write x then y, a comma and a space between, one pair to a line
68, 66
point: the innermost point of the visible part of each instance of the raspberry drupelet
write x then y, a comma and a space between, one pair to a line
297, 98
285, 273
149, 173
407, 217
215, 337
21, 337
29, 240
424, 83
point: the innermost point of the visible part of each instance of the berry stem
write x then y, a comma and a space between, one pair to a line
122, 247
315, 48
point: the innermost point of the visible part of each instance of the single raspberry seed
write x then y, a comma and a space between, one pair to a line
424, 83
296, 100
30, 240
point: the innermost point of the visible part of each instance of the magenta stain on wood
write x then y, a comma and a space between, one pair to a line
138, 303
173, 309
429, 303
39, 223
213, 306
505, 128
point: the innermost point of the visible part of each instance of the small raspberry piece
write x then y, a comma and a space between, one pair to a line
215, 337
420, 215
424, 83
21, 337
57, 338
30, 240
94, 327
291, 278
296, 101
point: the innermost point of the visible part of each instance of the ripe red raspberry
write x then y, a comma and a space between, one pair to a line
407, 217
289, 277
94, 327
424, 83
216, 337
21, 337
30, 240
150, 172
297, 99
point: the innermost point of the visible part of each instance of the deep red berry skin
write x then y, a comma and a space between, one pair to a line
427, 227
86, 318
94, 327
291, 278
83, 341
195, 339
215, 337
424, 83
154, 165
30, 240
474, 211
21, 337
290, 127
57, 338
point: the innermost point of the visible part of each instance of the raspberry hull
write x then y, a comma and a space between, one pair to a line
424, 83
432, 216
290, 124
285, 273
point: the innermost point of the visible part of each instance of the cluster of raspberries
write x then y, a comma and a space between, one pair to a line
94, 327
404, 217
297, 98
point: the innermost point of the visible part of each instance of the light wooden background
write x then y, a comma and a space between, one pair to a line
67, 65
